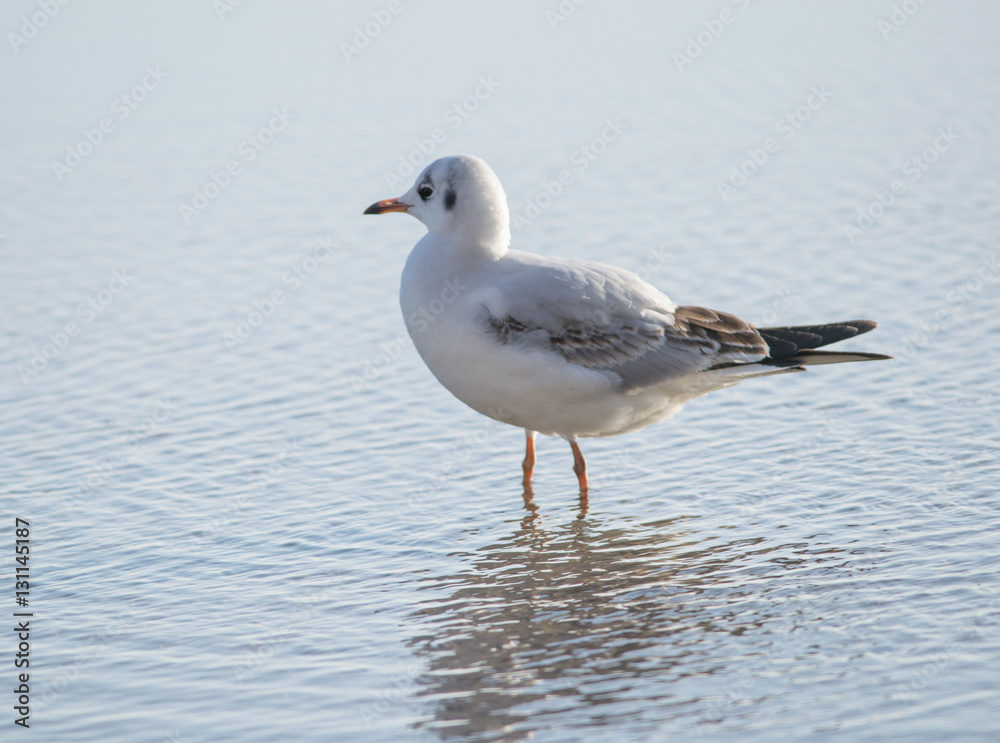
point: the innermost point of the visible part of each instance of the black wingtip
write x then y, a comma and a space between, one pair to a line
863, 326
788, 341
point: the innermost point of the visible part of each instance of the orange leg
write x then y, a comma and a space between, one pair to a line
579, 466
529, 459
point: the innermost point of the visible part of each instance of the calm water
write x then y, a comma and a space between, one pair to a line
255, 516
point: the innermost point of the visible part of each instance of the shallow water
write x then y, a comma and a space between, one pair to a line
298, 535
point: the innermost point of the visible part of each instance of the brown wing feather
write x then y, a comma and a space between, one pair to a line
726, 336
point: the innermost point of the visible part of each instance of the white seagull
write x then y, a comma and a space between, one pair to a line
560, 346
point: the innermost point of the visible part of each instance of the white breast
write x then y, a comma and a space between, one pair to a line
533, 388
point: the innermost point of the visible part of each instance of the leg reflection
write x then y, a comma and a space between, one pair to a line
528, 522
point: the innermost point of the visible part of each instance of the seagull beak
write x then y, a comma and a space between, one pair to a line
389, 205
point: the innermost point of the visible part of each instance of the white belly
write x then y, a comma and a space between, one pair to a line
532, 389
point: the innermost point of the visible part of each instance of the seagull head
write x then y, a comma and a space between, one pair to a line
458, 196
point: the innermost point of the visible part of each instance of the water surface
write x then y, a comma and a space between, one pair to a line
256, 516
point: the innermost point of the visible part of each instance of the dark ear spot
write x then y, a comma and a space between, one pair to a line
449, 199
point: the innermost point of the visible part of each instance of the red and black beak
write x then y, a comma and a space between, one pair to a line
386, 206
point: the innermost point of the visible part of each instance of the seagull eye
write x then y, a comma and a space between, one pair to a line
425, 192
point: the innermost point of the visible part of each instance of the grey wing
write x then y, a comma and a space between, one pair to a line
696, 340
604, 318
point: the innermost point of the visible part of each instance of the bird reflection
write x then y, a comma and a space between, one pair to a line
528, 521
586, 615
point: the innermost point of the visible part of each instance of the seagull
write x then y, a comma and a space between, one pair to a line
567, 347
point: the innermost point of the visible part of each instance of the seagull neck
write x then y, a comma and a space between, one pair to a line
466, 251
480, 233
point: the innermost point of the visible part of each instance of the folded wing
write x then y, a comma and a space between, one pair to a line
604, 318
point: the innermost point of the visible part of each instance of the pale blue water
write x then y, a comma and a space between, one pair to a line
297, 534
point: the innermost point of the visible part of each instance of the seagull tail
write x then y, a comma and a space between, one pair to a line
796, 346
